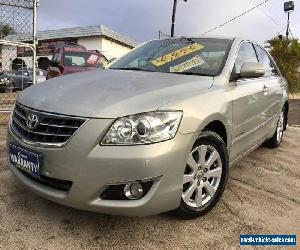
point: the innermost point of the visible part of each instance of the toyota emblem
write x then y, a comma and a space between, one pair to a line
32, 121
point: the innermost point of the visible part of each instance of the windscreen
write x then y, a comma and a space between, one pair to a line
202, 56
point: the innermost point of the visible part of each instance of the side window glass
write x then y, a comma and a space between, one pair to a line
264, 58
245, 54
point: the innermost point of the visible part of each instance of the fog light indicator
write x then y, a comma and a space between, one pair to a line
133, 191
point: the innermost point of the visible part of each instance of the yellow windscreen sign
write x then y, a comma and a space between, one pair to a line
177, 54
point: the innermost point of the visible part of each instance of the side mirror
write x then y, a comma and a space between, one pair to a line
252, 70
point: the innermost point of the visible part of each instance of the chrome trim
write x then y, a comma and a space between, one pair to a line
155, 178
20, 115
17, 136
248, 151
39, 133
57, 126
53, 114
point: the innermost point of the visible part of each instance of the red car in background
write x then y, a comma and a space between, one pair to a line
73, 58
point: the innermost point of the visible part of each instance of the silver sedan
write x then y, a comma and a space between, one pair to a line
156, 131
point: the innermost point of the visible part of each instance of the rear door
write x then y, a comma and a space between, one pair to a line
273, 89
247, 105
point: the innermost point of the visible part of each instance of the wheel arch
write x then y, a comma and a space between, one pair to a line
218, 127
286, 112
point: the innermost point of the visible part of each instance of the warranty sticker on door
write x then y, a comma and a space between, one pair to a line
177, 54
196, 61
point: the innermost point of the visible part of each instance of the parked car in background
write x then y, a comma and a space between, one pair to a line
23, 78
156, 131
73, 58
6, 80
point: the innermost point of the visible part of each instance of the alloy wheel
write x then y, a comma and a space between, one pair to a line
280, 127
202, 176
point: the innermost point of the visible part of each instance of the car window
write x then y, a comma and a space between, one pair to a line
264, 58
245, 54
81, 59
198, 56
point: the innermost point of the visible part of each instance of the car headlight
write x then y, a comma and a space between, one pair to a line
145, 128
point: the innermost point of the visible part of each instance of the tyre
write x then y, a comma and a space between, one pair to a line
276, 139
205, 176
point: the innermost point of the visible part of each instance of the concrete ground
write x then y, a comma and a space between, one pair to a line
262, 197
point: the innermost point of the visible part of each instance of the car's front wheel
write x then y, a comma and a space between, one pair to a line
205, 176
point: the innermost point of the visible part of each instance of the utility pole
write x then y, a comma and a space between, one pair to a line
174, 17
288, 8
288, 26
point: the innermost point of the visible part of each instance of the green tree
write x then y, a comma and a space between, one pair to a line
6, 30
286, 53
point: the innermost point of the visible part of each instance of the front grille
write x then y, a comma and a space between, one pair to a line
61, 185
51, 129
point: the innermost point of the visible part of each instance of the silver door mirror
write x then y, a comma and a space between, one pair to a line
252, 70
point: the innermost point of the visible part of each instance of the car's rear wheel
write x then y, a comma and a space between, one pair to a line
276, 140
205, 176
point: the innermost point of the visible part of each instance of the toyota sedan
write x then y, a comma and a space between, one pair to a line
156, 131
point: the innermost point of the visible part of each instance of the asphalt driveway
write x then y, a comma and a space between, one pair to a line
263, 196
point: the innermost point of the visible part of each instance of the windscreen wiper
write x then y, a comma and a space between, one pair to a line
134, 69
190, 73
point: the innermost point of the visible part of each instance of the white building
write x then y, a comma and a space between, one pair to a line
98, 37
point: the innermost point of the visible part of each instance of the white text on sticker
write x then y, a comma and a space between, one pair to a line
192, 63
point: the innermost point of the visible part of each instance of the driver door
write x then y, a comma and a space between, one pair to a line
248, 105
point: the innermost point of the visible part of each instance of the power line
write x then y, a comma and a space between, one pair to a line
267, 15
236, 17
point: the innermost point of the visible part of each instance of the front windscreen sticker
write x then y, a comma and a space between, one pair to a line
177, 54
196, 61
92, 59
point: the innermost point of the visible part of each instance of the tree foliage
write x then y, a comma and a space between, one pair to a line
286, 53
6, 30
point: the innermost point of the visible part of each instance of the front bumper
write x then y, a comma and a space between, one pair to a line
91, 168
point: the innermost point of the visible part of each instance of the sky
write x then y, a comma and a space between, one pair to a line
142, 19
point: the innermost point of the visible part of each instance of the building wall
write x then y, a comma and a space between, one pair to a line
109, 48
91, 43
112, 49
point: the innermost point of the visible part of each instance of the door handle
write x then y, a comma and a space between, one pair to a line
265, 89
